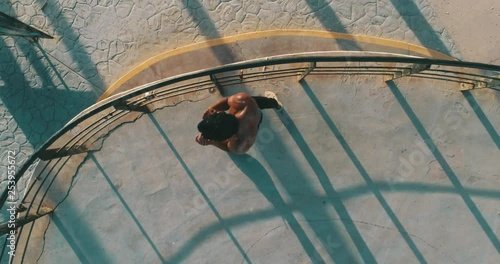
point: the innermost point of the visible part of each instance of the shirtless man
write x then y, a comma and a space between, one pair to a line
236, 130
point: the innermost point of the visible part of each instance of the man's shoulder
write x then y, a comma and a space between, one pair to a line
240, 96
240, 100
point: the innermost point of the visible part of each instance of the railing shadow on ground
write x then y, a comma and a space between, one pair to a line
34, 131
25, 105
347, 193
425, 33
69, 238
180, 257
71, 40
265, 185
229, 57
444, 165
362, 171
331, 22
127, 208
482, 117
294, 177
76, 231
105, 110
419, 25
52, 66
223, 53
352, 192
416, 21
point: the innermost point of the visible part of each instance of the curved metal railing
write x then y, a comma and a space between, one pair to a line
87, 131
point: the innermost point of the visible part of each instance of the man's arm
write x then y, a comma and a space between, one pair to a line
205, 142
221, 145
237, 146
233, 146
237, 101
221, 105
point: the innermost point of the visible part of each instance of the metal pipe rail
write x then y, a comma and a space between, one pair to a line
86, 131
478, 80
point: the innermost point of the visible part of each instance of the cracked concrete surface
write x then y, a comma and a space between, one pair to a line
36, 103
96, 42
263, 199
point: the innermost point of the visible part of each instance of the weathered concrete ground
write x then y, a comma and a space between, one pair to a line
289, 202
342, 176
98, 41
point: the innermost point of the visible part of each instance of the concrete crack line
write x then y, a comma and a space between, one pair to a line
383, 227
43, 244
105, 136
256, 241
429, 165
494, 60
74, 179
73, 182
182, 101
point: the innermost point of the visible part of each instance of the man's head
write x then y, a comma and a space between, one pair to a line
219, 126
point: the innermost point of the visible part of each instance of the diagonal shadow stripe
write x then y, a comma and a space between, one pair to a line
446, 167
127, 208
262, 180
332, 194
428, 37
75, 228
362, 171
71, 241
482, 117
225, 55
76, 50
326, 15
52, 66
202, 192
345, 194
419, 25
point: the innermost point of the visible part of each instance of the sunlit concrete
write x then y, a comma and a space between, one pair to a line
342, 175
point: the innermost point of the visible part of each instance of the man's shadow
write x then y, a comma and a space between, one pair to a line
262, 180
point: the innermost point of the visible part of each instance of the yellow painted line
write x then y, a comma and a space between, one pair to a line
423, 51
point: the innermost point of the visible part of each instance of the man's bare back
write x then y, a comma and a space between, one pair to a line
245, 109
248, 115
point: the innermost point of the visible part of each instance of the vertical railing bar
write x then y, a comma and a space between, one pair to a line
213, 78
309, 69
